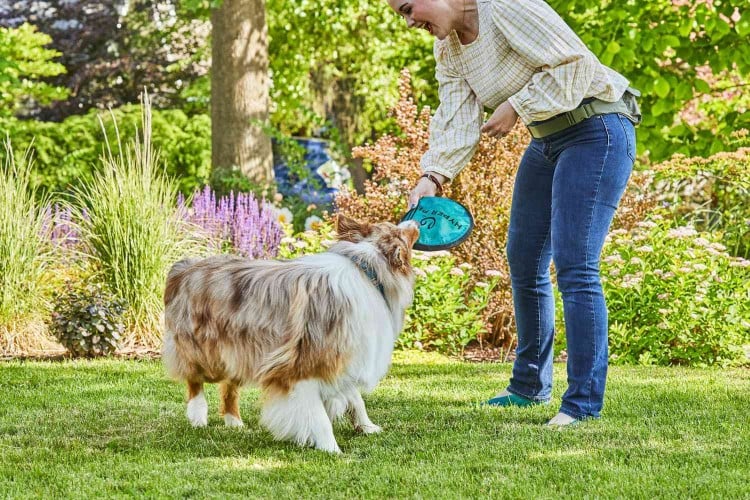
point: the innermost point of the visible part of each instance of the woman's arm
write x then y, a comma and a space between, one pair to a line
454, 128
566, 66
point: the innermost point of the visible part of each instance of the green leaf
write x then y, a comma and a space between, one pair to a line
742, 27
661, 87
702, 86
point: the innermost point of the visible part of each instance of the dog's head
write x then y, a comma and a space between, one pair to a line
393, 241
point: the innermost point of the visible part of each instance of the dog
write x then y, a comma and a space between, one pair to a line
311, 332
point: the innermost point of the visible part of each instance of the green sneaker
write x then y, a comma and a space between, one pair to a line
512, 400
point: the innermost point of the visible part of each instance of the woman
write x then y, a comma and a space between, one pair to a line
520, 58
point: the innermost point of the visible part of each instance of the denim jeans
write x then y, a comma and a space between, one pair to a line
566, 191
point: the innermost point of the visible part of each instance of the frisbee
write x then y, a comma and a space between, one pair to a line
443, 223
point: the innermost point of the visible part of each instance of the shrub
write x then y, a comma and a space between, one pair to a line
675, 297
448, 309
711, 194
25, 64
132, 231
484, 186
88, 321
69, 153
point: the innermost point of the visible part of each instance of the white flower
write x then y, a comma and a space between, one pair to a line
300, 244
465, 265
432, 268
457, 271
492, 273
682, 232
663, 296
614, 259
636, 260
482, 284
701, 242
646, 223
440, 253
313, 223
420, 273
699, 267
645, 249
663, 311
284, 215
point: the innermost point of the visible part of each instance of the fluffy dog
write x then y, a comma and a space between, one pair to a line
310, 332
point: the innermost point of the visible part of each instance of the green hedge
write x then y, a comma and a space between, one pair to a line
68, 152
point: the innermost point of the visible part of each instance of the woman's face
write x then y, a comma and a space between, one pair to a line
431, 15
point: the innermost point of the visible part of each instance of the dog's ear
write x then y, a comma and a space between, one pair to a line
411, 234
396, 258
352, 230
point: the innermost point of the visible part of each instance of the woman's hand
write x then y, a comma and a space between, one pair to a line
425, 187
501, 122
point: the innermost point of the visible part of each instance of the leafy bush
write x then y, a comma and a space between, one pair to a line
448, 308
88, 321
484, 186
24, 64
69, 153
675, 297
710, 193
132, 231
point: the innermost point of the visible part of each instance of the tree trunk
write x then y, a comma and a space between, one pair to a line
239, 89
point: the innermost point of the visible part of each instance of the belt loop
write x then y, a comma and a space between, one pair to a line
588, 110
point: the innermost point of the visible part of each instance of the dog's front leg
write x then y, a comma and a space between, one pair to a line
358, 414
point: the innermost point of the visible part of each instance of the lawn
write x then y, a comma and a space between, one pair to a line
117, 428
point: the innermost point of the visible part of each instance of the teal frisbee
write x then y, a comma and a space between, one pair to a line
443, 223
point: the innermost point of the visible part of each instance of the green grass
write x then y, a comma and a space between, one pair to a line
117, 428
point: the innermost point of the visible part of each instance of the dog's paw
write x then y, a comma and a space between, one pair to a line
232, 421
328, 447
369, 428
198, 420
197, 411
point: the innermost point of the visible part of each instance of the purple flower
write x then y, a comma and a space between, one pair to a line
60, 227
238, 220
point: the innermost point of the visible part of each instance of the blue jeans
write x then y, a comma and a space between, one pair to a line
566, 191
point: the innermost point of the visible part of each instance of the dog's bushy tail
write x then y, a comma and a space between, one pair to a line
309, 351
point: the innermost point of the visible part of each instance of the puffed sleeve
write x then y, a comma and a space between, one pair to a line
456, 124
566, 67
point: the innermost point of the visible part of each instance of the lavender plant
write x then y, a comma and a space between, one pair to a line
61, 227
235, 223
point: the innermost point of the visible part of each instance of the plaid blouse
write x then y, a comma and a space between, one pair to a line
524, 54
